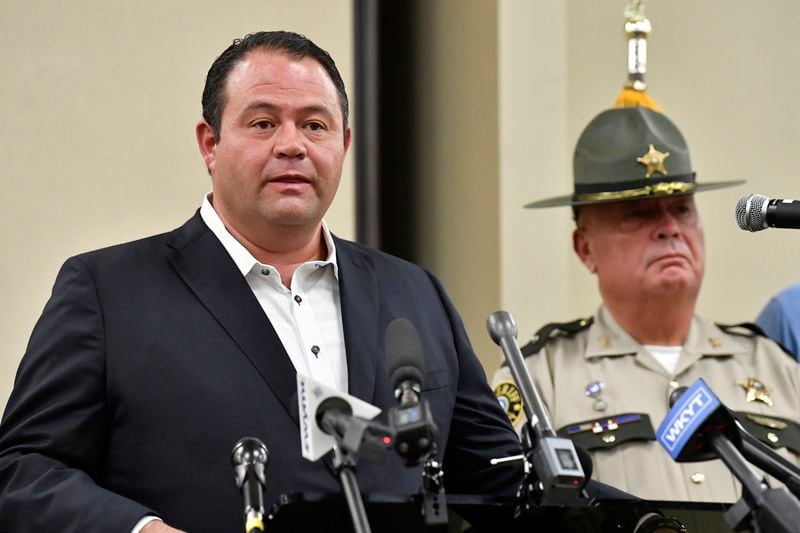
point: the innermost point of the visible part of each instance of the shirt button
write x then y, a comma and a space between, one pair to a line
698, 478
265, 272
297, 298
315, 349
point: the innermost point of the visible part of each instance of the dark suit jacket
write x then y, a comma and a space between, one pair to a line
152, 358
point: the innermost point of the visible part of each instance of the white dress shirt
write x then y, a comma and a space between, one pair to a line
307, 316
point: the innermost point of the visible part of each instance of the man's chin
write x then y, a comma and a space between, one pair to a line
673, 281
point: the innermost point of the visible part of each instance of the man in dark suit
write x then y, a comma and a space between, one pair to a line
153, 358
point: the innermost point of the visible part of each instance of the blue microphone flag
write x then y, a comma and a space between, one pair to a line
691, 411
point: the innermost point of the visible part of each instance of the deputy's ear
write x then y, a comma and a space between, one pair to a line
583, 248
207, 143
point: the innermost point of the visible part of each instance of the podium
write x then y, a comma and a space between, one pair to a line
485, 514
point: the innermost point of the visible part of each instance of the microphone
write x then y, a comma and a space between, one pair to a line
369, 440
755, 212
412, 421
698, 428
414, 428
249, 458
555, 460
758, 453
695, 415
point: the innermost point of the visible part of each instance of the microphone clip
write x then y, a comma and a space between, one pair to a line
355, 436
414, 431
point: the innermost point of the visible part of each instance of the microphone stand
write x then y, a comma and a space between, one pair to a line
557, 475
760, 509
354, 435
434, 500
767, 460
344, 462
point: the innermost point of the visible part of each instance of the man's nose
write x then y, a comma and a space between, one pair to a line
289, 142
667, 226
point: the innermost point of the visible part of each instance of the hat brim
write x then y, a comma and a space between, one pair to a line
569, 199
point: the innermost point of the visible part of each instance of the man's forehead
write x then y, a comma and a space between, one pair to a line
261, 61
647, 203
609, 211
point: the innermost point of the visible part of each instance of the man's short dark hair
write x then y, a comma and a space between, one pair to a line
292, 44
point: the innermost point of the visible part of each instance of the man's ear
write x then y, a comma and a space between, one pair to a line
583, 248
348, 136
207, 143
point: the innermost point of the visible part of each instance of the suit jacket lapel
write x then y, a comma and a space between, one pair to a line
358, 292
211, 274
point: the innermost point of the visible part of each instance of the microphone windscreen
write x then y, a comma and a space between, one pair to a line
676, 394
249, 450
749, 212
404, 361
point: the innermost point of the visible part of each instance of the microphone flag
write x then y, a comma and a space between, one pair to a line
693, 409
314, 442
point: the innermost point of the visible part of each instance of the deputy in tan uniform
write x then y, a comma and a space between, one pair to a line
607, 379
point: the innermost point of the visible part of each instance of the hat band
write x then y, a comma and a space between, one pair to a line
632, 189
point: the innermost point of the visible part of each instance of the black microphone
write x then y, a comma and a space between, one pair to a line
412, 422
365, 438
249, 458
757, 452
755, 212
555, 459
698, 428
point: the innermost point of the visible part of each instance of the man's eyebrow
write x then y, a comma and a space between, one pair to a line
267, 106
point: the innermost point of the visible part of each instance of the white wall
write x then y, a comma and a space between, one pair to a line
98, 103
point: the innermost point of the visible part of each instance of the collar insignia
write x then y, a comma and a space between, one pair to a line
654, 161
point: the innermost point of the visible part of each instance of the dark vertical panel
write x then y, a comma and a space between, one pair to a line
367, 122
399, 179
384, 99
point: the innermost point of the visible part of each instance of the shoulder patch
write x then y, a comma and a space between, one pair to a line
773, 431
749, 329
510, 400
743, 329
554, 330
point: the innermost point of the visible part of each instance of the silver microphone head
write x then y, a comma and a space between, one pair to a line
500, 324
750, 212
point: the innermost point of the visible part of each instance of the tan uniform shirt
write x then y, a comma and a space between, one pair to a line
633, 381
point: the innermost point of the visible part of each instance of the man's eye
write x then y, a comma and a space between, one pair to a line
682, 210
315, 126
263, 124
636, 214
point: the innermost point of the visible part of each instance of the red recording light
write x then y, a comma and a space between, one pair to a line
387, 440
